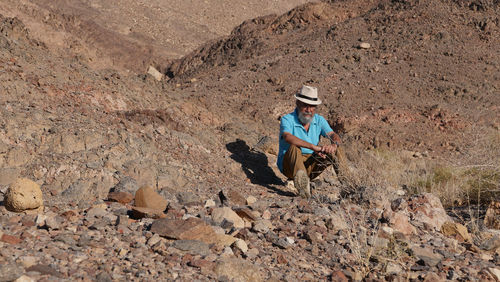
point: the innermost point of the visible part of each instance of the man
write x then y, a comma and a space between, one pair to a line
300, 157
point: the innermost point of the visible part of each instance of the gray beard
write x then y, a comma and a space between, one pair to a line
303, 119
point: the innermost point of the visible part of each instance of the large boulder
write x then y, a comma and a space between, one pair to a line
23, 194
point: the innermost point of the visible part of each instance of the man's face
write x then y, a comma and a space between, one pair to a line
305, 112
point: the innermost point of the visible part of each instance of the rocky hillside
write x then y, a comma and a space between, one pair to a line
407, 83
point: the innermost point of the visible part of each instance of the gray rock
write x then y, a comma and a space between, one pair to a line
103, 277
126, 184
10, 272
194, 247
491, 244
188, 198
426, 255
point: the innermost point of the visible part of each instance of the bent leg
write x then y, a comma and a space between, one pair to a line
316, 165
293, 161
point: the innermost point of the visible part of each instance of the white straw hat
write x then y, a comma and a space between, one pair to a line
308, 95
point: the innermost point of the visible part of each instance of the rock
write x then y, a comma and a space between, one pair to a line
226, 213
336, 222
364, 45
456, 231
231, 197
23, 194
241, 245
103, 277
262, 226
146, 197
393, 268
235, 269
24, 278
492, 217
28, 261
194, 247
338, 276
120, 197
53, 222
245, 213
251, 200
189, 229
427, 209
426, 255
209, 203
155, 73
188, 198
40, 220
491, 244
495, 272
140, 212
44, 270
10, 272
222, 240
10, 239
400, 222
126, 184
398, 205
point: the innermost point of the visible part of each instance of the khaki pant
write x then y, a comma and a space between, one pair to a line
313, 164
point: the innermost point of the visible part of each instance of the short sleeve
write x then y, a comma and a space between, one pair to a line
325, 127
286, 126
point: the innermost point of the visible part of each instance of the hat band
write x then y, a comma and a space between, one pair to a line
305, 97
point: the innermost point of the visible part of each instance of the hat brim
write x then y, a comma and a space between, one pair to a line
309, 102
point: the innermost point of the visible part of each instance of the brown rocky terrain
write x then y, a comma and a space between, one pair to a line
412, 86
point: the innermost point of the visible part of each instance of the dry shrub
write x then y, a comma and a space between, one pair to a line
470, 180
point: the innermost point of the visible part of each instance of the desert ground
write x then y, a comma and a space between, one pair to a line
139, 140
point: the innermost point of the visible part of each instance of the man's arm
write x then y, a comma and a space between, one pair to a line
293, 140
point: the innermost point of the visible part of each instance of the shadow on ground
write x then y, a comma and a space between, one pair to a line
255, 165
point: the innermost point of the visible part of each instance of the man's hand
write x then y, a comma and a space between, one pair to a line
322, 151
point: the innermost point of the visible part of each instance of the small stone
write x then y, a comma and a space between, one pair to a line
154, 240
364, 45
10, 272
120, 197
393, 268
209, 203
24, 278
231, 197
189, 229
426, 255
194, 247
140, 212
251, 200
53, 222
262, 226
155, 73
28, 261
10, 239
226, 213
495, 272
266, 214
245, 213
236, 269
338, 276
44, 270
456, 231
23, 194
241, 245
40, 220
491, 244
147, 197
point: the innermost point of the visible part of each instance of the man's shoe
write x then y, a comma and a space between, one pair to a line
301, 182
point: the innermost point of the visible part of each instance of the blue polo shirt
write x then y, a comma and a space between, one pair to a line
291, 124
